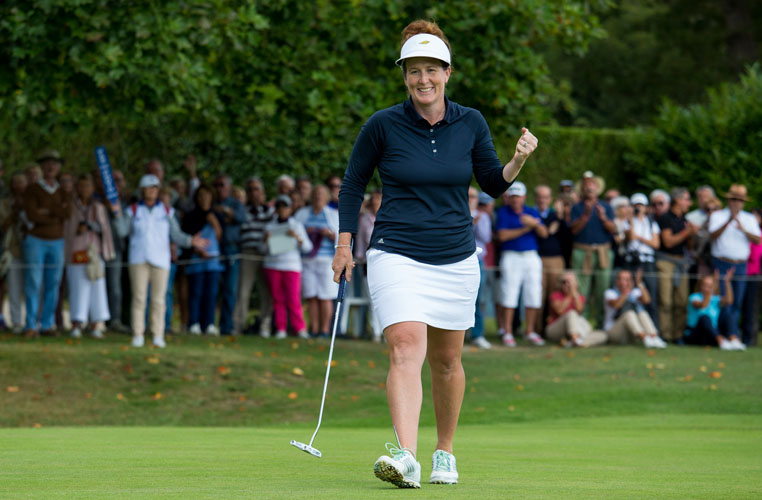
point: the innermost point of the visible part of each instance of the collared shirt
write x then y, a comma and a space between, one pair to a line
594, 233
425, 170
550, 246
732, 243
508, 219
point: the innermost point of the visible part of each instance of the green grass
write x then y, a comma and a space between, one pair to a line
213, 419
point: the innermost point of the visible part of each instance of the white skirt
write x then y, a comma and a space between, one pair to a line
403, 289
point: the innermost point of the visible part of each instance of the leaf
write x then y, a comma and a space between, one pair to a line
121, 397
154, 360
223, 370
715, 374
298, 371
12, 388
293, 395
157, 396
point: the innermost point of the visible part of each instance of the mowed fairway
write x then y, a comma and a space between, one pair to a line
675, 456
213, 419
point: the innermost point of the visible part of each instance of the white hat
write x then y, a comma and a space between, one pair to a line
149, 180
517, 189
424, 45
639, 199
620, 201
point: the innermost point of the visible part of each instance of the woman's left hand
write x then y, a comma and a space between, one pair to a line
526, 145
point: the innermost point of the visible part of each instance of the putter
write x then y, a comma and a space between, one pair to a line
308, 448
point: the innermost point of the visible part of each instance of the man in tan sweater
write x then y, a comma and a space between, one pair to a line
46, 207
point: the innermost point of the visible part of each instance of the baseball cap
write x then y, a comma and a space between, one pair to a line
149, 180
567, 183
517, 189
639, 199
485, 199
284, 199
424, 45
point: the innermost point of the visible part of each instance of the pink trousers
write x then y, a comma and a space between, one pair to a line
286, 291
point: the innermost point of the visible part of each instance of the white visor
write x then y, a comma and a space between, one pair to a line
424, 45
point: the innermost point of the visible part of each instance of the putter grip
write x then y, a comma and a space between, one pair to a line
342, 284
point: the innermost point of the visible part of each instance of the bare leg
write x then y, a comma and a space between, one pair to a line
326, 314
448, 381
407, 351
313, 311
508, 319
531, 318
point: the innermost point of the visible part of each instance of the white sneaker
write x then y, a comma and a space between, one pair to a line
212, 330
195, 329
303, 334
96, 333
658, 343
481, 343
535, 339
264, 333
727, 345
443, 469
738, 345
402, 469
508, 340
138, 341
76, 333
159, 342
281, 334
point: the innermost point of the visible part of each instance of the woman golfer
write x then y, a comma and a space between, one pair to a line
423, 272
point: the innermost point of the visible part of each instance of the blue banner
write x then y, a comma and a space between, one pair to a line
105, 169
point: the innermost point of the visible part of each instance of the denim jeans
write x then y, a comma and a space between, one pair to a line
202, 297
229, 290
739, 285
46, 262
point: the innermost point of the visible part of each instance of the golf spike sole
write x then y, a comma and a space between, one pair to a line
387, 472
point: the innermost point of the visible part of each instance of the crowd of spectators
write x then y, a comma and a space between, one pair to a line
582, 267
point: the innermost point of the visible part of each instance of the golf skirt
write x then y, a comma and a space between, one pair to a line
403, 289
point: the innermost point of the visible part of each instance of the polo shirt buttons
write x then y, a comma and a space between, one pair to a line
431, 130
433, 141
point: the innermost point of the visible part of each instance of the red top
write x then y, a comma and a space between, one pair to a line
753, 265
558, 296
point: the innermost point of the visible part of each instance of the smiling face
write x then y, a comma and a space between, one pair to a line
425, 79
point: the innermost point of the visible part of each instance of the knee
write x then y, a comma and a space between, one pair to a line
405, 351
446, 361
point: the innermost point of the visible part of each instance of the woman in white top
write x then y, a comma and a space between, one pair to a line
643, 240
625, 319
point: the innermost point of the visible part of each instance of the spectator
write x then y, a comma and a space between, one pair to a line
643, 239
33, 173
284, 184
304, 187
704, 196
13, 223
520, 266
610, 194
334, 187
115, 267
706, 200
365, 225
565, 187
87, 245
672, 264
660, 202
318, 287
750, 300
165, 196
183, 202
625, 317
565, 322
239, 194
297, 202
482, 227
155, 167
731, 231
622, 214
259, 213
710, 321
287, 240
47, 207
205, 268
231, 213
550, 249
151, 227
592, 227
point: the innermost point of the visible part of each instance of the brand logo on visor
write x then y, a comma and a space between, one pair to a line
423, 42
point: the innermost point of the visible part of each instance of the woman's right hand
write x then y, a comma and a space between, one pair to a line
342, 261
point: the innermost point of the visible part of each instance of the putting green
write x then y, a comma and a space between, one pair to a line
657, 456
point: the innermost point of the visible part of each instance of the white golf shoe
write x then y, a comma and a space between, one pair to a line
443, 469
401, 469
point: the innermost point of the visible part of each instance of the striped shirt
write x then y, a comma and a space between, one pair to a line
253, 230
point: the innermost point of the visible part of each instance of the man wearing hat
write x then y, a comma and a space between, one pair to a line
592, 226
518, 227
46, 207
731, 230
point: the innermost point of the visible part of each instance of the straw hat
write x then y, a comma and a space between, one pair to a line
737, 192
589, 175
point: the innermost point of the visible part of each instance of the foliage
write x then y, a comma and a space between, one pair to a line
267, 86
717, 142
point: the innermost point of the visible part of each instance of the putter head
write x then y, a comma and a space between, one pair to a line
307, 448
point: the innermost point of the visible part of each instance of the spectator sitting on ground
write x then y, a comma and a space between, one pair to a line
286, 241
565, 322
626, 319
660, 202
710, 321
518, 227
87, 246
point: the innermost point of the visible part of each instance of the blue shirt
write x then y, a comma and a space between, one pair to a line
593, 233
712, 310
508, 219
231, 229
313, 225
200, 265
425, 170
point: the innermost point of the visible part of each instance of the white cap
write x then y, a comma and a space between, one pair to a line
639, 199
424, 45
620, 201
517, 189
149, 180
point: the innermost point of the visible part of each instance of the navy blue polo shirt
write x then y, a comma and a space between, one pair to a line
425, 170
508, 219
593, 233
